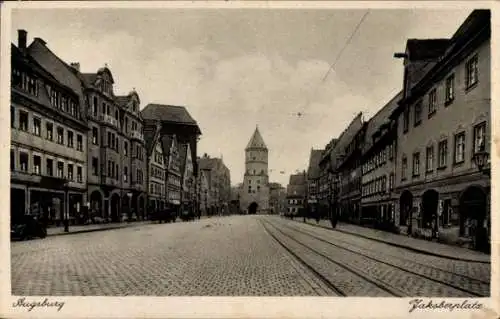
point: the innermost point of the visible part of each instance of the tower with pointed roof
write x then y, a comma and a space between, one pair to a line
254, 194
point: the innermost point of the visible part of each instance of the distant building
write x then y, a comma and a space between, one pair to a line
219, 184
188, 180
296, 194
277, 198
313, 183
157, 169
254, 196
174, 173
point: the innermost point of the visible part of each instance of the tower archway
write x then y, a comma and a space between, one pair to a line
252, 208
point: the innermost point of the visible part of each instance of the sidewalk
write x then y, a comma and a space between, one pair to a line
403, 241
56, 231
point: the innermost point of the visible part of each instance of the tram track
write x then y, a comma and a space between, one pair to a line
346, 273
372, 270
455, 277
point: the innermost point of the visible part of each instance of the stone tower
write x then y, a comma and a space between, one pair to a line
254, 193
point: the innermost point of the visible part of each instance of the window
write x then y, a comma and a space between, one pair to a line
49, 127
94, 106
429, 159
50, 167
24, 161
442, 153
416, 164
391, 181
70, 172
70, 139
479, 137
406, 119
12, 160
450, 89
125, 148
432, 102
60, 135
79, 174
417, 113
471, 72
37, 123
23, 121
125, 174
79, 142
95, 166
116, 171
95, 136
60, 169
37, 165
109, 139
404, 167
459, 147
108, 172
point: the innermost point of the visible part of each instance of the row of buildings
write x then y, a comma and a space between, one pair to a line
80, 151
421, 164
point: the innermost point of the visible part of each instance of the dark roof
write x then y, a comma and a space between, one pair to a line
88, 79
314, 171
256, 141
166, 142
61, 71
122, 100
338, 151
151, 132
426, 49
168, 113
379, 119
297, 185
297, 179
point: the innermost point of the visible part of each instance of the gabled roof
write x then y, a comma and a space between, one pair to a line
151, 136
297, 179
338, 151
168, 113
256, 141
61, 71
380, 118
314, 171
297, 185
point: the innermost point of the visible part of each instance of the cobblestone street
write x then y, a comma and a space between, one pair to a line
237, 255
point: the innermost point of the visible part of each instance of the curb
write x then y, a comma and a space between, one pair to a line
418, 250
93, 230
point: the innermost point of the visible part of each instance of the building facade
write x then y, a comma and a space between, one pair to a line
157, 170
219, 184
378, 168
188, 181
48, 155
313, 184
254, 197
173, 173
277, 198
443, 122
296, 195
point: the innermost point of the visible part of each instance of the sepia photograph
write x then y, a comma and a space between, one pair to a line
251, 151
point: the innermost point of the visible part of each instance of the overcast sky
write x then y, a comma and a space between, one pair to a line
237, 68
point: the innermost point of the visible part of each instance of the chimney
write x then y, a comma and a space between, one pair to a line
76, 66
21, 39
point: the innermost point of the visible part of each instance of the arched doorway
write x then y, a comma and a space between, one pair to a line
473, 207
115, 207
405, 207
96, 203
429, 212
252, 208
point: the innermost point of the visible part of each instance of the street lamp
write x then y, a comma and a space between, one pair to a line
480, 158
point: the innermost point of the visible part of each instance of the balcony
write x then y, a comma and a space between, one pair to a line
110, 120
137, 135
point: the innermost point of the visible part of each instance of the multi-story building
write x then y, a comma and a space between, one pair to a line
188, 181
219, 184
296, 194
378, 168
347, 157
203, 188
443, 123
254, 195
277, 197
313, 183
173, 172
325, 182
48, 157
157, 168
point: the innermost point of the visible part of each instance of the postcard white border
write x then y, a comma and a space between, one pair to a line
237, 307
